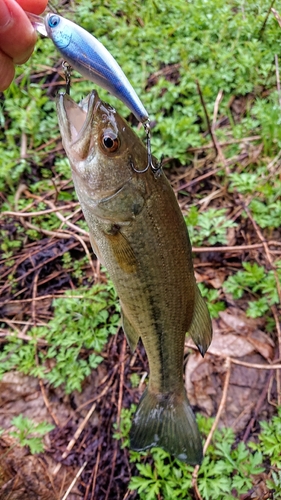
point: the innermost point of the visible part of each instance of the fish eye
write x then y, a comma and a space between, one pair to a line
54, 21
110, 141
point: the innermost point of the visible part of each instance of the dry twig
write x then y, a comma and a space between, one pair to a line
211, 128
68, 491
265, 21
214, 426
75, 437
47, 403
236, 248
258, 407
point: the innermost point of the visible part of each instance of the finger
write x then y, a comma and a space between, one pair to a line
7, 71
35, 6
17, 35
24, 56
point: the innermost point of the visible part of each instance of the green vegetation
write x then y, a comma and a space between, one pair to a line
74, 338
209, 226
255, 279
270, 440
227, 469
212, 296
28, 433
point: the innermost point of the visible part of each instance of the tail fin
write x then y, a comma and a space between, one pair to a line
167, 421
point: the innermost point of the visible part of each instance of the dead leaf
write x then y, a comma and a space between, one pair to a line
231, 236
204, 381
199, 385
227, 344
263, 347
29, 477
237, 320
216, 282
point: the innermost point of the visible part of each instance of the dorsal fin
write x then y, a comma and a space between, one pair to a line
200, 328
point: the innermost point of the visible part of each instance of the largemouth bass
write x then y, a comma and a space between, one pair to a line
138, 232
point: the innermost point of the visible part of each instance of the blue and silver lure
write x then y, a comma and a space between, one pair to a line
90, 58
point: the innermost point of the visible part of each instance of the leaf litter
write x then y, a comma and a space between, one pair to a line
237, 381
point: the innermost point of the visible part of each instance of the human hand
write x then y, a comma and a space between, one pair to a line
17, 35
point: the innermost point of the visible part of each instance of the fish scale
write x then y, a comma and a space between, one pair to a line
138, 232
171, 276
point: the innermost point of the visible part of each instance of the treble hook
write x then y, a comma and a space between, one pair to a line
149, 154
67, 75
148, 145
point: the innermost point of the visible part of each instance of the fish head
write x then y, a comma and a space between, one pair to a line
58, 29
105, 154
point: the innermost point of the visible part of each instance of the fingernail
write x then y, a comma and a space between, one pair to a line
5, 16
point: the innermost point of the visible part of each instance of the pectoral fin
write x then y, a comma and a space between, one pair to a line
200, 329
131, 335
123, 252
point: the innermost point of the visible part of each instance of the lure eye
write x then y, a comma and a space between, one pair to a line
109, 141
54, 21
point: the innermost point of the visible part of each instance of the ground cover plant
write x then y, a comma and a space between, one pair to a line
208, 72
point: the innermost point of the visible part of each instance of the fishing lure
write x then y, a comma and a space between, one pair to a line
90, 58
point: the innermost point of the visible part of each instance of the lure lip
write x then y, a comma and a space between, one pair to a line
37, 22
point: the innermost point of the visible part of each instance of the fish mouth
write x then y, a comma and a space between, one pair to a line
75, 119
80, 126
